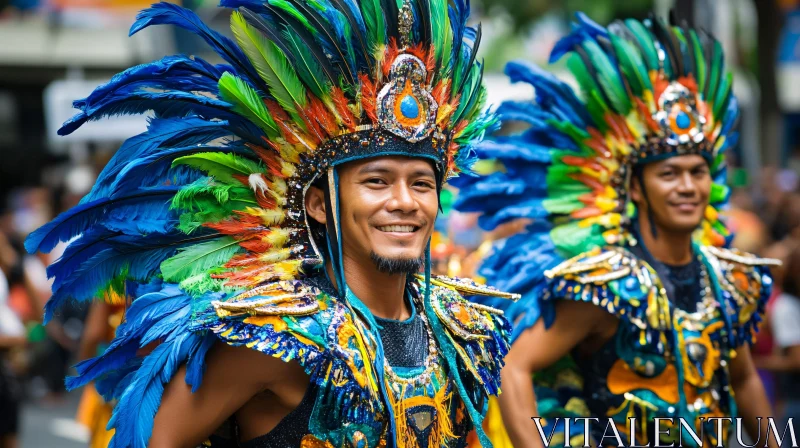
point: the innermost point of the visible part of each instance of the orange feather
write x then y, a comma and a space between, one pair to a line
340, 101
389, 56
369, 96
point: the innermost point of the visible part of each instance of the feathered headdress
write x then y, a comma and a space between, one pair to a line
648, 91
209, 201
211, 196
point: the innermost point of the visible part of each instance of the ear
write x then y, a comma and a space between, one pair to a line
315, 204
636, 190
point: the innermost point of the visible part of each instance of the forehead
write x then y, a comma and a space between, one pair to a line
688, 161
397, 165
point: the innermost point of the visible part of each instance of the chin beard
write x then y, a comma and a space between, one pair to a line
397, 265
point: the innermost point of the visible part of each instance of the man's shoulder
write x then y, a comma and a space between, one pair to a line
742, 275
481, 334
290, 320
744, 288
463, 318
736, 258
614, 279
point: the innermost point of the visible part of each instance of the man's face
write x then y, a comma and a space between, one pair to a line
388, 208
677, 191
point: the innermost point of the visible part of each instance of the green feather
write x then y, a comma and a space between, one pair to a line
246, 102
271, 64
718, 193
376, 25
202, 283
307, 67
288, 8
573, 239
645, 42
716, 72
720, 105
699, 60
442, 35
208, 210
632, 65
581, 73
199, 258
221, 166
206, 190
577, 134
608, 77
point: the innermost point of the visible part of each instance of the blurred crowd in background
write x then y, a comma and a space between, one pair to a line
55, 51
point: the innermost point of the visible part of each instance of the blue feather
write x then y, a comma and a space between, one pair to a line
129, 100
168, 13
195, 368
82, 217
584, 29
112, 384
155, 168
170, 73
161, 133
552, 94
138, 261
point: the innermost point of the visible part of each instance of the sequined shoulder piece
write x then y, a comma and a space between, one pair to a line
293, 320
468, 287
617, 281
480, 334
744, 284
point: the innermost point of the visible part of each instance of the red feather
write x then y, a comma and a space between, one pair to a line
368, 97
389, 56
323, 116
340, 101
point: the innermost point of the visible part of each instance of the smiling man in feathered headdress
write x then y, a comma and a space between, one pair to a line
272, 230
631, 306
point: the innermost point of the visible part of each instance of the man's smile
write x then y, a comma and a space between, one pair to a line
398, 228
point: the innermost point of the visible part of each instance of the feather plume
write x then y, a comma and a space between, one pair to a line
168, 13
271, 64
247, 102
199, 258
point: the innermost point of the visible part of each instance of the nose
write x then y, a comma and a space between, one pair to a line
402, 199
686, 184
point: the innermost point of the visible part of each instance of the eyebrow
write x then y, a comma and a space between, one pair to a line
676, 166
379, 169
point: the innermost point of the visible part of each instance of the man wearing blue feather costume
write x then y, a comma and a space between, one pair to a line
632, 308
269, 227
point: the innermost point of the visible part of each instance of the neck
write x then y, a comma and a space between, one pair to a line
670, 247
382, 293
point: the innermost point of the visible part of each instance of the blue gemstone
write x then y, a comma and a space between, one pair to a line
409, 107
682, 120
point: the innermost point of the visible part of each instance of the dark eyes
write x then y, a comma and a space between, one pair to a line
424, 184
376, 181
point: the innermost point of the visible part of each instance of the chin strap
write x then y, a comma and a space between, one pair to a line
650, 217
451, 357
334, 230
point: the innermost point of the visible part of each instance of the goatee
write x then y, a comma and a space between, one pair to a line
397, 265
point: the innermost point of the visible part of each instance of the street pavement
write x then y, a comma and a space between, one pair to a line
52, 425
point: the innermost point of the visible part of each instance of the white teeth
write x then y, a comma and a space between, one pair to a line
396, 228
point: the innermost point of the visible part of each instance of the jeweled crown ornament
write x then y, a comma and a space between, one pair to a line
406, 107
678, 116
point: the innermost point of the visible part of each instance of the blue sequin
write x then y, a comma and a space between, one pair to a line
682, 120
409, 107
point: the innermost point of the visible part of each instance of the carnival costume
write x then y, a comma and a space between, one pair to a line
648, 91
201, 219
